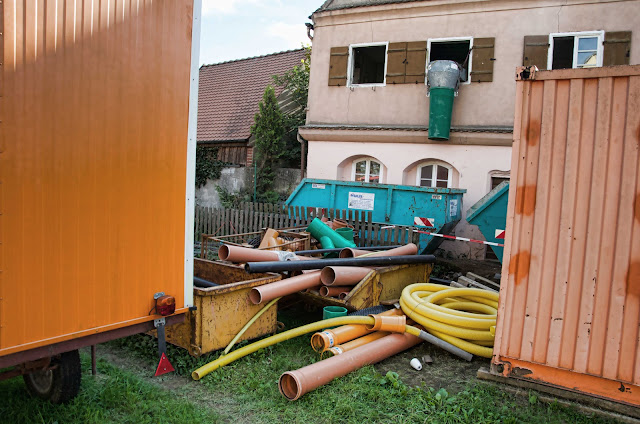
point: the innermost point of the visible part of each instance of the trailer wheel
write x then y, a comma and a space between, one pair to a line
60, 384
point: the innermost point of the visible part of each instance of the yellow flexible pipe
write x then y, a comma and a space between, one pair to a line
250, 323
464, 317
295, 332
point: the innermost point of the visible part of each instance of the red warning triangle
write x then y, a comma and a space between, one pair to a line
164, 366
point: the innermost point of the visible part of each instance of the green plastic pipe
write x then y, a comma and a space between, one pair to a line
319, 229
440, 110
326, 243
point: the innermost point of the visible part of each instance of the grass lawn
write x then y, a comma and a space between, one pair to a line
113, 396
246, 392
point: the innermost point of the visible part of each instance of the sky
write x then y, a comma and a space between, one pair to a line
236, 29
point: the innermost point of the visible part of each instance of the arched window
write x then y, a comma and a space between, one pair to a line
367, 171
434, 175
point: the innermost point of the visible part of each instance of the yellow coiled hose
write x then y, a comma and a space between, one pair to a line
464, 317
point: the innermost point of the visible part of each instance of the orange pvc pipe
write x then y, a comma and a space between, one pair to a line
343, 275
240, 254
333, 290
392, 324
281, 288
323, 340
294, 384
245, 254
407, 249
343, 295
345, 347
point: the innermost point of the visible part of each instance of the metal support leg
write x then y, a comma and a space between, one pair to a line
94, 368
164, 366
162, 341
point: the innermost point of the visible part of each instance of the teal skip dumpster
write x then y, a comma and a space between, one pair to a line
429, 209
490, 215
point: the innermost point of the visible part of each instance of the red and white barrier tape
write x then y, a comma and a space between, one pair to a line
490, 243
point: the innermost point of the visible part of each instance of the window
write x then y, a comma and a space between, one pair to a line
367, 64
497, 177
434, 175
575, 50
367, 171
496, 181
456, 49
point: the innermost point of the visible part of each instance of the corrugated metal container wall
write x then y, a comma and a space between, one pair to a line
570, 293
93, 166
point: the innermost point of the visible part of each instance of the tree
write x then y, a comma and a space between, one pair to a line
296, 82
269, 131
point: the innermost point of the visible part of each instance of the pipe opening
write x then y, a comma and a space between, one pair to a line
289, 386
324, 291
343, 295
327, 276
317, 342
255, 296
347, 253
223, 252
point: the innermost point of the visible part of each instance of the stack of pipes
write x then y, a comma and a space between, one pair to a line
331, 280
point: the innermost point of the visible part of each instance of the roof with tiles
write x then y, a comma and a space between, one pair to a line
229, 93
348, 4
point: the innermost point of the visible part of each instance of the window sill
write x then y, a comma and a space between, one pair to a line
365, 85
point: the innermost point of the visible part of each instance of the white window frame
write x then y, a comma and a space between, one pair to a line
440, 40
576, 36
350, 64
435, 172
367, 170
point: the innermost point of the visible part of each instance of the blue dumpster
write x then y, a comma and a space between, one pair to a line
435, 209
490, 215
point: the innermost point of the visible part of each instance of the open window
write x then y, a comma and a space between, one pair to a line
498, 177
366, 171
575, 50
456, 49
367, 64
433, 174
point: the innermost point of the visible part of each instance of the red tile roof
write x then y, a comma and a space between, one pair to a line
229, 93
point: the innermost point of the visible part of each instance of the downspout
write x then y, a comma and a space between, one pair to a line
309, 29
303, 155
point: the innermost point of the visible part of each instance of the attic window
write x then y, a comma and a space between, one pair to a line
456, 49
575, 50
367, 64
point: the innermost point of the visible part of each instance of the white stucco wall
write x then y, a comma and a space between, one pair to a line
473, 155
489, 103
473, 163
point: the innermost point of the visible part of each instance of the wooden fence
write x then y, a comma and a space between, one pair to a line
252, 217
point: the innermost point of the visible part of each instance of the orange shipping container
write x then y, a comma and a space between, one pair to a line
97, 156
569, 309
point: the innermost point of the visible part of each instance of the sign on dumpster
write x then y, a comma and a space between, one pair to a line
363, 201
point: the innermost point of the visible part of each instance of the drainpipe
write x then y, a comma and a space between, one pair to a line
309, 29
303, 155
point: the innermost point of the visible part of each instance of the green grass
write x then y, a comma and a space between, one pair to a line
250, 388
114, 396
246, 391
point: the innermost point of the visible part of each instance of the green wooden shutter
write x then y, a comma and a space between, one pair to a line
617, 48
396, 63
416, 62
536, 49
338, 65
482, 59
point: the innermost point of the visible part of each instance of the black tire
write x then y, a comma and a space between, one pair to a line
58, 385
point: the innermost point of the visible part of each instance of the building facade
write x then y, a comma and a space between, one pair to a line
368, 110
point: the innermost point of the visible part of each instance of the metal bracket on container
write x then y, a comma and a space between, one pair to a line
162, 341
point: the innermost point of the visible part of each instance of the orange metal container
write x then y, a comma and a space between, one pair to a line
569, 309
94, 170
